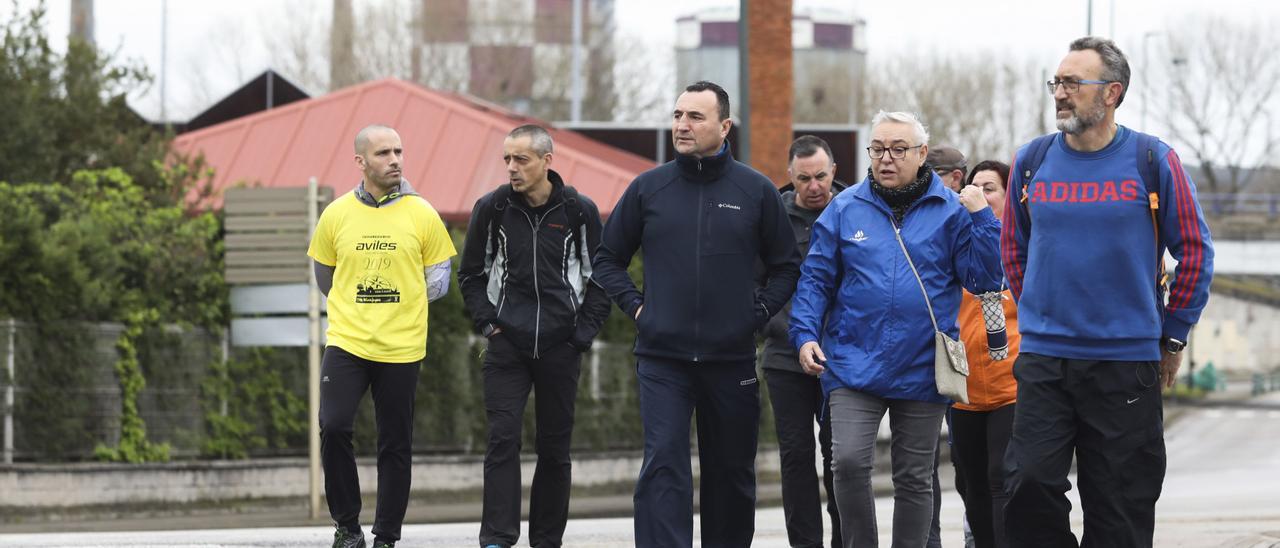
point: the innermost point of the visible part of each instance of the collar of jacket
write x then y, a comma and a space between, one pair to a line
706, 169
935, 189
557, 192
367, 199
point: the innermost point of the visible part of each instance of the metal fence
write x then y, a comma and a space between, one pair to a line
1258, 204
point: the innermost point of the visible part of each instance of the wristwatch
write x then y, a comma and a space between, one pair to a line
488, 329
1172, 345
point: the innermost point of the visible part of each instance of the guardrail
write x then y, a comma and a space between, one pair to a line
1224, 204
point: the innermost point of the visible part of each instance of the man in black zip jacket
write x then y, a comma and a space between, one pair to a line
526, 280
703, 221
796, 396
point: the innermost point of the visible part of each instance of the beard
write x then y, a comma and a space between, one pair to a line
1079, 121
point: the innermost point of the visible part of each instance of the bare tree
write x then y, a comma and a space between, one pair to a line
1216, 84
983, 107
643, 77
297, 46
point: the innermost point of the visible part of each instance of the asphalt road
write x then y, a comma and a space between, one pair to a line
1222, 490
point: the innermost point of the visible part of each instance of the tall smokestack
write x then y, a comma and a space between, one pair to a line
342, 61
82, 20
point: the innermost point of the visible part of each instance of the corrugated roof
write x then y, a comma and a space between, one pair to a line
453, 146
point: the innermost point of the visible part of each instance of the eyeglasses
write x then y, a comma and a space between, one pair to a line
1072, 86
897, 153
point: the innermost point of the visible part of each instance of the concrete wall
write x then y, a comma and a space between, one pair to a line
1238, 336
33, 486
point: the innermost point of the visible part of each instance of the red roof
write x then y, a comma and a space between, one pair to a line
453, 146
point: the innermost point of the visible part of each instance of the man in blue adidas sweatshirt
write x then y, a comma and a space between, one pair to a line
702, 222
1091, 211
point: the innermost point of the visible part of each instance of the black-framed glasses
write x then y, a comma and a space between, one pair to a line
897, 153
1071, 86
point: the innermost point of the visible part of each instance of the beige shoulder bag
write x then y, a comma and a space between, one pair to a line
950, 364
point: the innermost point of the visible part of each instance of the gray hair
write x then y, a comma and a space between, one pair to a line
539, 139
362, 138
922, 134
1115, 67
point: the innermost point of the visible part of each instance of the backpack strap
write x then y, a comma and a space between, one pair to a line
1030, 164
501, 199
1150, 173
573, 212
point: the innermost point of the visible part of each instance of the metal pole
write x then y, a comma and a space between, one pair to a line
271, 89
226, 373
164, 56
661, 146
8, 394
575, 79
313, 357
1112, 34
1088, 20
744, 87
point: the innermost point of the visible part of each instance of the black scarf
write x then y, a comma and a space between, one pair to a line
901, 198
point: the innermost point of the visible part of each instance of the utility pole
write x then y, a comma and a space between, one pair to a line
164, 60
575, 79
1088, 20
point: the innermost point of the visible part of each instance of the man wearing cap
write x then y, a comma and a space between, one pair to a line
949, 164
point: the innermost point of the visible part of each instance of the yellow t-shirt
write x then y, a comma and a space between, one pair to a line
378, 302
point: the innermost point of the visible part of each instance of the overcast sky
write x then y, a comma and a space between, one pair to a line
1024, 27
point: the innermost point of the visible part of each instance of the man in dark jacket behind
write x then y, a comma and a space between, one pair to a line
525, 277
703, 221
796, 396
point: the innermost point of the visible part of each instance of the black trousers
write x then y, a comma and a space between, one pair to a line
344, 378
797, 401
508, 377
727, 398
978, 443
1110, 414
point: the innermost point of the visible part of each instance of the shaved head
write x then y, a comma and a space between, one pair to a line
362, 138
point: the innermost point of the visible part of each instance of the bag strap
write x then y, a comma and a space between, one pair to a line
1030, 164
898, 234
1150, 174
500, 200
573, 211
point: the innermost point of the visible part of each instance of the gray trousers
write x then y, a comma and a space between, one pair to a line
855, 418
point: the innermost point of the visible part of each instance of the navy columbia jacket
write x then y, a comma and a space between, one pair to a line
702, 225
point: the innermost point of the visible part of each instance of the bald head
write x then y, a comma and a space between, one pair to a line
366, 134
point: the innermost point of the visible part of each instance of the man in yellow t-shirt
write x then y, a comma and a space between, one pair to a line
380, 254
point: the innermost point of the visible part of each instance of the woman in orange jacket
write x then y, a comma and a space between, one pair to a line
980, 429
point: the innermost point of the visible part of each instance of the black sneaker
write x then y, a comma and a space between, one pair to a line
384, 544
345, 538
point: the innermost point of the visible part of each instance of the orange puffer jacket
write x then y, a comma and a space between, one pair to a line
991, 383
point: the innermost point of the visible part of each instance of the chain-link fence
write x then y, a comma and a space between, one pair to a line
67, 399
